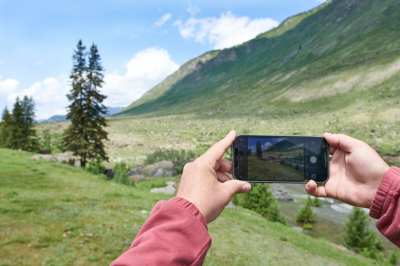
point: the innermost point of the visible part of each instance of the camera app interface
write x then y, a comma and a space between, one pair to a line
285, 158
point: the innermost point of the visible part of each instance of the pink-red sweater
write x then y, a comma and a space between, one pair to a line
176, 232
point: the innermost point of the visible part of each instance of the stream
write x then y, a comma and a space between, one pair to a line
331, 216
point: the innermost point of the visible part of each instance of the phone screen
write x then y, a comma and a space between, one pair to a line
280, 158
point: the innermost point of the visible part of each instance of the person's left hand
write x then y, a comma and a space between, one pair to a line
205, 184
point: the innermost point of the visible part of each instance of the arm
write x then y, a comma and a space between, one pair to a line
175, 234
176, 231
386, 206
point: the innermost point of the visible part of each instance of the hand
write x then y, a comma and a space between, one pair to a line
355, 172
205, 184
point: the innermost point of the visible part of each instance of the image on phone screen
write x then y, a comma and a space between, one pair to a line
281, 158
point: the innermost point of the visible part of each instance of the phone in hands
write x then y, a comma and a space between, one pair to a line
280, 159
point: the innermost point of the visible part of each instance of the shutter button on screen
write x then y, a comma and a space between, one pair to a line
313, 159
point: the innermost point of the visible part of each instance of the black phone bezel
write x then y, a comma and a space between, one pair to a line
319, 182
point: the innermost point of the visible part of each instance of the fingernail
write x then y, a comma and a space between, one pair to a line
308, 185
246, 187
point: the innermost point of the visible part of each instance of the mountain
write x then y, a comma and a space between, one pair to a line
61, 118
338, 55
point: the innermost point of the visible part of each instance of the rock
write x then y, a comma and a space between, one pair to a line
65, 158
89, 234
281, 193
109, 173
230, 206
143, 211
168, 190
136, 170
160, 169
46, 157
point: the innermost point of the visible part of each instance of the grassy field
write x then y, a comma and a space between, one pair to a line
54, 214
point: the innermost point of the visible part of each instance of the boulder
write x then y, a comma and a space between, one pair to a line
109, 173
65, 158
281, 193
160, 169
230, 206
46, 157
136, 170
168, 190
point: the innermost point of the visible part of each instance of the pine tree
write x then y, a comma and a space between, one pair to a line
29, 142
16, 137
306, 214
358, 237
85, 134
46, 142
258, 150
5, 128
261, 200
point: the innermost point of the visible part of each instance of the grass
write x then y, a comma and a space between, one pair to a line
42, 201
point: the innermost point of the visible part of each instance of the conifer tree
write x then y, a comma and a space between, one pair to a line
5, 128
258, 150
261, 200
306, 214
85, 134
16, 137
358, 237
29, 140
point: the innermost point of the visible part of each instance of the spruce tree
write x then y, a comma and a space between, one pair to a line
261, 200
29, 142
84, 137
258, 150
358, 237
16, 137
306, 214
5, 127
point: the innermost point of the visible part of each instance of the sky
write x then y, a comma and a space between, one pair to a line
140, 42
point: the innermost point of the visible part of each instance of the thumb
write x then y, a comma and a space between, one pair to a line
236, 186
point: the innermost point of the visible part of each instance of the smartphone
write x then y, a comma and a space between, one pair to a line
277, 159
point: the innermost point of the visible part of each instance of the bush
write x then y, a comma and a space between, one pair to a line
358, 237
95, 168
307, 226
45, 143
261, 200
178, 158
306, 214
393, 258
316, 202
121, 174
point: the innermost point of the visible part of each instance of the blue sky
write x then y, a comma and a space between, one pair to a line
141, 42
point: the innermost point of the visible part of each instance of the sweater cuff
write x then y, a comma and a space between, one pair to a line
191, 208
388, 186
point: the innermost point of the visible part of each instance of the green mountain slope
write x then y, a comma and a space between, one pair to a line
322, 60
54, 214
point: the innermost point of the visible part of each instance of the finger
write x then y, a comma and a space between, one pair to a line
218, 149
314, 190
341, 141
222, 177
236, 186
224, 165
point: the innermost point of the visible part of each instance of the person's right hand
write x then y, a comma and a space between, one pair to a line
355, 172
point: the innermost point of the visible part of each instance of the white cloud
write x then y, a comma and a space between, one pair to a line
193, 10
2, 61
226, 31
145, 70
132, 36
39, 63
177, 23
49, 95
8, 86
163, 19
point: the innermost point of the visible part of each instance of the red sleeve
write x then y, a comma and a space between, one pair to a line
386, 206
175, 234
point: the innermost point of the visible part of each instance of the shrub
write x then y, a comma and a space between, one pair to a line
393, 258
306, 214
307, 226
316, 202
178, 157
121, 174
95, 168
358, 237
261, 200
45, 143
